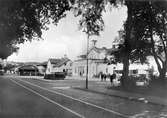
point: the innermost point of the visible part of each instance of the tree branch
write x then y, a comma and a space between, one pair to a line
160, 59
153, 50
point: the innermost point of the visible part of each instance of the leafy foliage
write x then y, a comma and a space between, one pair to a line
91, 21
149, 31
24, 20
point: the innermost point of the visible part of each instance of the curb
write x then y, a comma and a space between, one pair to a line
118, 96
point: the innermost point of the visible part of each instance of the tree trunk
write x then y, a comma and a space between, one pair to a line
125, 69
162, 74
162, 71
127, 48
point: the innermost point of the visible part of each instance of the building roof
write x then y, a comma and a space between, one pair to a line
54, 61
59, 62
28, 67
103, 49
118, 40
99, 50
95, 60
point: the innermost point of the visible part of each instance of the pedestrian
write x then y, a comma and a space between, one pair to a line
101, 75
105, 76
112, 77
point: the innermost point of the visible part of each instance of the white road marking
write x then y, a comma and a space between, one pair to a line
87, 103
46, 98
61, 87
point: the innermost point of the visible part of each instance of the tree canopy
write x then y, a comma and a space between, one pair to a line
151, 26
24, 20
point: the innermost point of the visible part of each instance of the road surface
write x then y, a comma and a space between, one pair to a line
23, 97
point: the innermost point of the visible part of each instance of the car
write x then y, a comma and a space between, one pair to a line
55, 76
1, 72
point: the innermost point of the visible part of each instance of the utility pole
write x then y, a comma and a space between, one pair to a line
87, 62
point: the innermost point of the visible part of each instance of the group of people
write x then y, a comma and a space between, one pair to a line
103, 76
111, 77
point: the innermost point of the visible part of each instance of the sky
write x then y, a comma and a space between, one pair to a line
66, 39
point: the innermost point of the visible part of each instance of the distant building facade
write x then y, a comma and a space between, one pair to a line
28, 70
96, 63
59, 65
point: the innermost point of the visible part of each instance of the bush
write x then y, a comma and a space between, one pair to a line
130, 81
56, 76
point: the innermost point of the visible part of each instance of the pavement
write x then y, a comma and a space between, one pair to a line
105, 89
126, 95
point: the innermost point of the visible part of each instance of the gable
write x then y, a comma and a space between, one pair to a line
58, 62
54, 61
97, 53
93, 54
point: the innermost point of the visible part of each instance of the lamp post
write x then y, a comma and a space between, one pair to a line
87, 62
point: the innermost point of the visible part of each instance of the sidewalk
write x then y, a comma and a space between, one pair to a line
156, 100
81, 78
144, 96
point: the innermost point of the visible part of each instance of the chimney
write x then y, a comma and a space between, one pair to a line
65, 55
94, 43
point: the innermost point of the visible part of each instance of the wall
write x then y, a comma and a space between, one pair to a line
49, 68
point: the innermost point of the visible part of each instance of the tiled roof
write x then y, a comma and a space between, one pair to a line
108, 51
117, 40
99, 50
28, 67
82, 56
54, 61
59, 62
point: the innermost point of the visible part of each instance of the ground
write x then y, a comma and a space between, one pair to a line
28, 96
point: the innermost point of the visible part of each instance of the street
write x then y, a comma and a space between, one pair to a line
25, 97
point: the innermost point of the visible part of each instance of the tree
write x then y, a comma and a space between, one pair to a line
8, 67
145, 35
90, 13
133, 48
126, 48
153, 16
24, 20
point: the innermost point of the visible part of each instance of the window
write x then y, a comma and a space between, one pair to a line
106, 70
134, 71
75, 70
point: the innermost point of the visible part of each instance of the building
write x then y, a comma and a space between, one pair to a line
42, 68
59, 65
134, 68
96, 62
28, 70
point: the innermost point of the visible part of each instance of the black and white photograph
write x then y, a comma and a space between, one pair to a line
83, 58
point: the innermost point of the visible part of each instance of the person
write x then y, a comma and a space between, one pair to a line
101, 76
112, 77
104, 77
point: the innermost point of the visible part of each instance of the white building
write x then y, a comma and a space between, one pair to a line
134, 68
96, 63
59, 65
